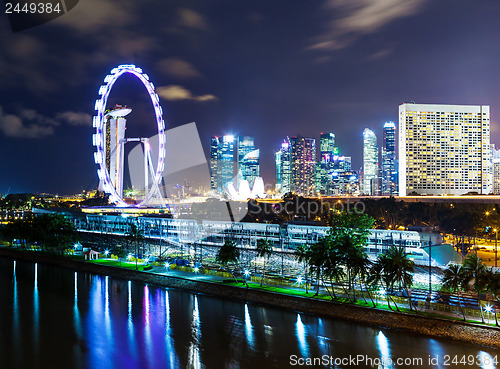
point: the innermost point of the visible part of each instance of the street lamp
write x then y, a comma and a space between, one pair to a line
488, 309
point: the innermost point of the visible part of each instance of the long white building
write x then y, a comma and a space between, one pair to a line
283, 238
444, 149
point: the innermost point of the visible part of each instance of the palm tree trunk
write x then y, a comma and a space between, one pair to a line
353, 285
346, 293
388, 301
481, 309
410, 302
263, 273
394, 302
371, 298
461, 308
232, 273
362, 294
317, 281
243, 273
327, 290
333, 289
306, 283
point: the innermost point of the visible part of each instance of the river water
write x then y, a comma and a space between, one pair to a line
56, 318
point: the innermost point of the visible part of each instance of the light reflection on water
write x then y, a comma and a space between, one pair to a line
80, 320
301, 337
385, 352
249, 329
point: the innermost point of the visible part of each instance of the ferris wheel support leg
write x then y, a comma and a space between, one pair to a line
146, 179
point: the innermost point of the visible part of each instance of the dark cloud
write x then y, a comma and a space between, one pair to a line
351, 19
175, 92
177, 67
15, 126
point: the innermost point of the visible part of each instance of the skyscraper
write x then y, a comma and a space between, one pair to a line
283, 162
389, 171
496, 171
247, 160
214, 147
225, 161
325, 166
370, 163
303, 165
444, 149
327, 147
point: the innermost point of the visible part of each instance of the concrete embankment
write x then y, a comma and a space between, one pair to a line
435, 327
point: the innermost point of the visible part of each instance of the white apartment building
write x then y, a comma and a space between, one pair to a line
444, 149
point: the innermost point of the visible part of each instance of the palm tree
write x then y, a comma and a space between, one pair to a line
135, 234
382, 272
264, 250
229, 253
402, 268
317, 256
474, 269
334, 271
360, 265
454, 280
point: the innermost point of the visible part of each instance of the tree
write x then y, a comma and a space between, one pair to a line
264, 250
135, 234
349, 235
474, 268
454, 279
229, 253
120, 253
360, 264
402, 268
334, 270
317, 256
383, 272
50, 231
379, 274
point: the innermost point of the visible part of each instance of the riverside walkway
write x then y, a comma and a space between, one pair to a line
474, 314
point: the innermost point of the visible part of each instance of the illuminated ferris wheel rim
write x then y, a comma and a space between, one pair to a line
98, 137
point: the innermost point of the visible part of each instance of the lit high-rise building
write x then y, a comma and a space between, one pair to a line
214, 147
370, 163
389, 171
303, 165
225, 162
327, 147
247, 160
496, 171
444, 149
325, 165
283, 162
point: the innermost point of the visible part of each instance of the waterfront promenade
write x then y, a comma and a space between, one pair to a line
435, 323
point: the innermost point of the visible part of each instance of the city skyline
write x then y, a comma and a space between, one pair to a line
263, 70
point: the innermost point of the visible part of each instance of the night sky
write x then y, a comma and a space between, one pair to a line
268, 69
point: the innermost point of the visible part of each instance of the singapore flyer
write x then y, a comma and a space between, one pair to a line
109, 140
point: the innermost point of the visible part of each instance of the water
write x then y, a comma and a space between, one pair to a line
55, 318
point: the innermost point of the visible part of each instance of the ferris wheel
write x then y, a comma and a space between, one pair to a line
109, 140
